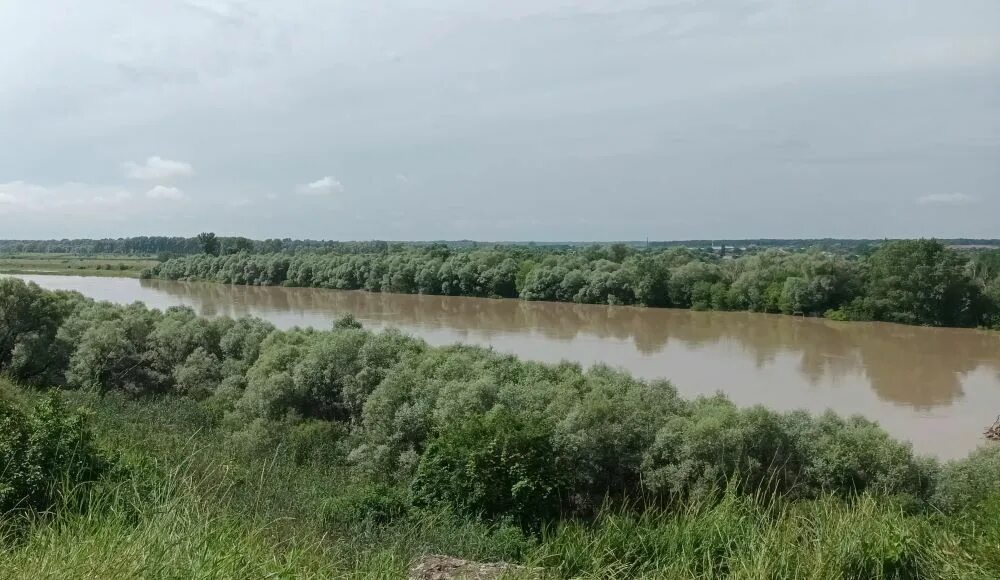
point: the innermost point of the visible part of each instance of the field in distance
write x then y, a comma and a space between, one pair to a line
74, 265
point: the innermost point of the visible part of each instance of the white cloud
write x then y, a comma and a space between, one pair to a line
947, 199
157, 168
18, 197
323, 186
164, 192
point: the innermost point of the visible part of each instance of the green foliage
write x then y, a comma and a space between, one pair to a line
601, 438
501, 464
715, 445
920, 282
112, 355
968, 484
373, 504
29, 320
855, 455
41, 450
318, 442
239, 343
347, 321
914, 282
381, 401
236, 245
739, 537
378, 437
209, 243
991, 294
199, 375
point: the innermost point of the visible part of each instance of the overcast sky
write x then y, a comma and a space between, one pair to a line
502, 120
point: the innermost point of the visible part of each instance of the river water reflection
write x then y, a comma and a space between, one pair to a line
938, 388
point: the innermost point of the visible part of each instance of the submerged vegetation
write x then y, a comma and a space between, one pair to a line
227, 448
912, 282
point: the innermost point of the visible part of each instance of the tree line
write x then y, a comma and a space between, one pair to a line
919, 282
181, 246
171, 246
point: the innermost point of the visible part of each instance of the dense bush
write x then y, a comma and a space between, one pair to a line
910, 281
374, 504
920, 282
318, 442
485, 433
42, 450
29, 320
498, 465
969, 482
715, 445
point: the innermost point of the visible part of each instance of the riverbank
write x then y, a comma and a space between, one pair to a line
934, 387
75, 265
231, 448
915, 282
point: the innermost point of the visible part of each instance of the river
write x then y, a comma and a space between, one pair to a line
938, 388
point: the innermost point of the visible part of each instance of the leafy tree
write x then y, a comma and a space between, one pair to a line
810, 282
29, 321
209, 243
237, 245
919, 282
112, 355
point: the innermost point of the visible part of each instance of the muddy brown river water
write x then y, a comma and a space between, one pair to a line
936, 387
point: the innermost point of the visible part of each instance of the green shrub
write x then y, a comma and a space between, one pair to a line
199, 375
501, 464
601, 438
257, 438
969, 482
111, 354
838, 314
29, 320
717, 444
347, 321
315, 442
761, 450
372, 504
176, 334
849, 456
920, 282
41, 450
240, 343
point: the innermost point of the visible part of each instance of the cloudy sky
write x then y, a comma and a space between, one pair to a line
503, 120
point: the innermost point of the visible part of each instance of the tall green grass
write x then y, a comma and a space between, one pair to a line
186, 500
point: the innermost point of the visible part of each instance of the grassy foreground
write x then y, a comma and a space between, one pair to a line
166, 445
187, 499
74, 265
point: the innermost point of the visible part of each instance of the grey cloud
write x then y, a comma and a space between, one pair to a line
542, 119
